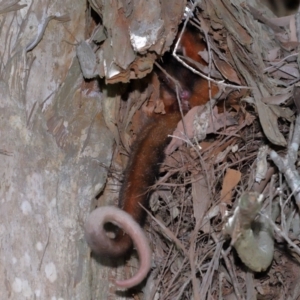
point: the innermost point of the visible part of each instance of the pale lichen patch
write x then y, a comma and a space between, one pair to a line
50, 270
26, 208
39, 246
22, 286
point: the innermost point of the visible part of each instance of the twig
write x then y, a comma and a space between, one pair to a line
168, 232
42, 27
174, 276
283, 234
46, 246
286, 164
231, 271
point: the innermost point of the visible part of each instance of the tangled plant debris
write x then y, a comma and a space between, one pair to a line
252, 57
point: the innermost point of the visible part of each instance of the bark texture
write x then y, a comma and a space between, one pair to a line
55, 150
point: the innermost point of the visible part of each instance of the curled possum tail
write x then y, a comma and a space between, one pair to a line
101, 244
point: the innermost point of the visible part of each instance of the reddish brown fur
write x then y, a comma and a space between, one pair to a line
202, 95
143, 166
148, 151
191, 44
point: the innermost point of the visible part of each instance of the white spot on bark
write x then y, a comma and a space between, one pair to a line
14, 260
35, 188
50, 271
17, 122
39, 246
22, 286
26, 290
37, 293
53, 202
17, 285
26, 208
26, 260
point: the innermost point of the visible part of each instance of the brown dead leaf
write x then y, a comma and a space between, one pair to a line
249, 119
231, 179
293, 29
289, 45
283, 112
231, 24
296, 95
273, 54
286, 71
260, 17
282, 21
201, 196
268, 122
226, 70
277, 99
219, 120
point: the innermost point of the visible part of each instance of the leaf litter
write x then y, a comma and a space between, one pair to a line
253, 58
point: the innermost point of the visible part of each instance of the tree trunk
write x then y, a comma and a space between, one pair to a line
55, 151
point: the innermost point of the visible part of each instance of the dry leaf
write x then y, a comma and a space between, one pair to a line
277, 99
268, 119
201, 196
231, 179
226, 70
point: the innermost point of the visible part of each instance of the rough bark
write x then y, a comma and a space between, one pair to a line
54, 154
